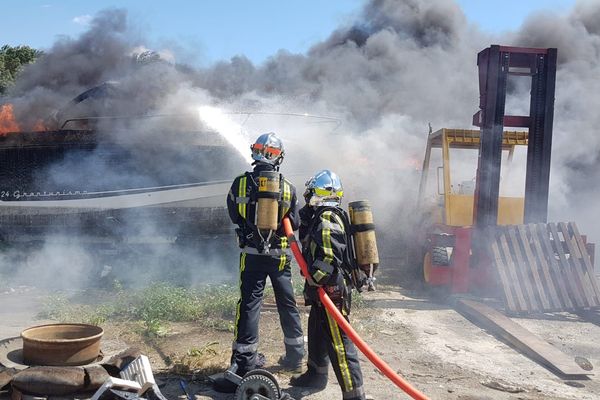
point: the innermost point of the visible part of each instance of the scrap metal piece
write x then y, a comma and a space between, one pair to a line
61, 344
140, 371
258, 385
137, 381
119, 361
116, 384
11, 353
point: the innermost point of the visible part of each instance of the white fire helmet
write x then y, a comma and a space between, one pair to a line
268, 148
324, 189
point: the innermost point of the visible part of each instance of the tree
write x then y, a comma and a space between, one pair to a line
12, 60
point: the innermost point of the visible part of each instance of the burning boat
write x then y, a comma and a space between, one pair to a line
114, 177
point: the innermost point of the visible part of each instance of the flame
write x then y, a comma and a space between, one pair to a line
7, 119
39, 126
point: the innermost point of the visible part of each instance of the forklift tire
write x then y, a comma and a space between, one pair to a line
439, 256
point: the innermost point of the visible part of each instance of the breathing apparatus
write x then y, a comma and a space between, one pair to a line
324, 190
268, 149
267, 206
364, 241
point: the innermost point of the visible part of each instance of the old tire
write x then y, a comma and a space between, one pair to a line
439, 256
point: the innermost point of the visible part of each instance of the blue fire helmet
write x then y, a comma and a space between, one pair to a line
324, 189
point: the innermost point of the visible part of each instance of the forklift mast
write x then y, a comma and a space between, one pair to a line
495, 64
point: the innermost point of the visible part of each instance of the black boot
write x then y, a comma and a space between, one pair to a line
310, 379
223, 385
294, 366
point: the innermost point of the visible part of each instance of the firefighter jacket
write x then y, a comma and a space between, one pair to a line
241, 205
325, 246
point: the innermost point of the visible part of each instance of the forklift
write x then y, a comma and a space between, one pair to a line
456, 253
449, 209
481, 242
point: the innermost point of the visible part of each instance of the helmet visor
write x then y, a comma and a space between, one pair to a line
326, 192
267, 152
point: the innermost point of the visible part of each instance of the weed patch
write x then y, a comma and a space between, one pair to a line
154, 306
199, 361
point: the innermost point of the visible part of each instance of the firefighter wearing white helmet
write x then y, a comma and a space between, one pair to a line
326, 247
257, 202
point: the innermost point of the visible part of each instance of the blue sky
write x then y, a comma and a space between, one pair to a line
219, 29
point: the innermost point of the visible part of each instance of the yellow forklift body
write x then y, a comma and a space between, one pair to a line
457, 209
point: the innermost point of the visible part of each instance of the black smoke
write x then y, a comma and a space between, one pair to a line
401, 65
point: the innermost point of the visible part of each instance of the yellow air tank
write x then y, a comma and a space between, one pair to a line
267, 209
365, 245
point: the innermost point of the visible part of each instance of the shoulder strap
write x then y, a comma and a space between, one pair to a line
285, 201
241, 198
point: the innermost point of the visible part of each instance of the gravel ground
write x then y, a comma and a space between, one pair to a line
428, 343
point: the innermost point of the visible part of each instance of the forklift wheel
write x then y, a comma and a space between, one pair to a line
258, 385
439, 256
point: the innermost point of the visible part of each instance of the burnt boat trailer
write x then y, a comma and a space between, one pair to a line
534, 266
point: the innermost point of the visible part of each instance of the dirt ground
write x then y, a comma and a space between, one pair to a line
428, 343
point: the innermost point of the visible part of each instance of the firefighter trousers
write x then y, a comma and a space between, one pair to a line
254, 270
326, 341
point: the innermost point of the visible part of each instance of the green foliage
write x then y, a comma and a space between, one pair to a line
202, 361
155, 328
12, 60
57, 307
163, 302
154, 307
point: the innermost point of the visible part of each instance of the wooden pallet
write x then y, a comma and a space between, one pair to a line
544, 268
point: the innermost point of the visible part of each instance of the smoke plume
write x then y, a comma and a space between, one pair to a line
402, 65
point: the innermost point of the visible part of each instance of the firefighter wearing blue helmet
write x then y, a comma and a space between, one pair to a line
326, 247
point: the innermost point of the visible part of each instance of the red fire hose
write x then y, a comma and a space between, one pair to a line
346, 327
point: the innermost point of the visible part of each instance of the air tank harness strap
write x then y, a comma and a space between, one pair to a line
362, 227
345, 325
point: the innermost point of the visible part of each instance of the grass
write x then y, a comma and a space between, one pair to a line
199, 361
154, 306
58, 308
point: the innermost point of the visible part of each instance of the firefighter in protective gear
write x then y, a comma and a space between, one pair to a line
263, 256
324, 233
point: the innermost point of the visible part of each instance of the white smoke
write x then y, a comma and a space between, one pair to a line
402, 65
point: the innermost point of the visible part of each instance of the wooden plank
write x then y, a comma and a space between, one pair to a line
532, 263
512, 270
520, 338
523, 269
554, 269
504, 280
565, 271
576, 266
540, 256
586, 259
